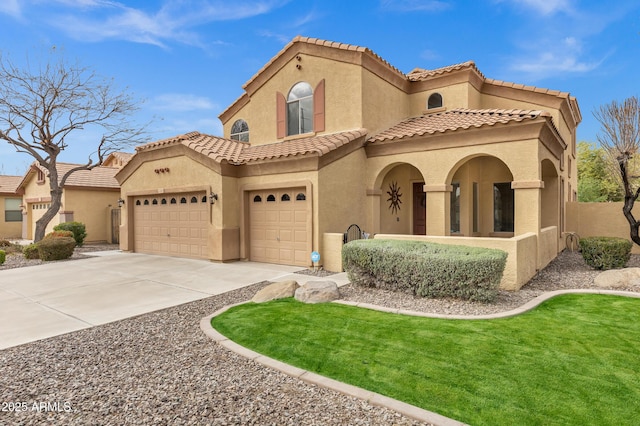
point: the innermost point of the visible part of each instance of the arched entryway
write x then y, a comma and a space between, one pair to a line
550, 197
482, 201
402, 200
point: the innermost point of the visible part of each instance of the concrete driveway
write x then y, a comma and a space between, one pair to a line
47, 300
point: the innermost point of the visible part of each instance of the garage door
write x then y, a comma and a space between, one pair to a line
278, 231
171, 224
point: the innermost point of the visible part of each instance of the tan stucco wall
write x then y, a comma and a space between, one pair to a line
460, 95
383, 105
343, 95
9, 229
92, 208
600, 220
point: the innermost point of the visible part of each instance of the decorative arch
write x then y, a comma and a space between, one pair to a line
551, 203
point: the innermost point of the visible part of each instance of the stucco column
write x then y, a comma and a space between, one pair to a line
527, 209
25, 219
438, 209
373, 206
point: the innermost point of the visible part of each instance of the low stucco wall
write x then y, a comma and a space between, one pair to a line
522, 252
331, 256
600, 220
548, 246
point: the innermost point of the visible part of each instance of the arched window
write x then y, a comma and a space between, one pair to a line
435, 101
194, 200
240, 131
204, 199
183, 200
285, 197
271, 197
137, 202
300, 109
301, 197
257, 199
164, 201
154, 202
173, 201
146, 202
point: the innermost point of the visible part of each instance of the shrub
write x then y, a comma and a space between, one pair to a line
31, 251
5, 243
58, 234
78, 229
3, 256
56, 248
605, 252
425, 269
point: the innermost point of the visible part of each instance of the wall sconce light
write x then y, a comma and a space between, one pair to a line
213, 197
120, 202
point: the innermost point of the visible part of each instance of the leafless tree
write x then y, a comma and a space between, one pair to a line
41, 106
620, 137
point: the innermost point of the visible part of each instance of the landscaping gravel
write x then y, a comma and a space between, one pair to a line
160, 369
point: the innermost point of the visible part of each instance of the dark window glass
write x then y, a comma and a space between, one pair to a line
154, 202
194, 200
164, 201
271, 197
435, 101
257, 199
146, 202
503, 207
173, 201
183, 200
137, 202
301, 197
285, 197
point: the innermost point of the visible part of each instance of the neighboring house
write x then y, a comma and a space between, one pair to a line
329, 134
11, 202
89, 196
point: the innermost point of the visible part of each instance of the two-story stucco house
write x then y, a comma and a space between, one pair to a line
328, 134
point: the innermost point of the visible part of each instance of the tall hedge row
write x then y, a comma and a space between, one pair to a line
425, 269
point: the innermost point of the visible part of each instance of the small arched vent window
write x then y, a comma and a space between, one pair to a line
194, 200
173, 201
435, 101
285, 197
146, 202
183, 200
301, 197
204, 199
271, 197
164, 201
138, 203
240, 131
154, 202
257, 199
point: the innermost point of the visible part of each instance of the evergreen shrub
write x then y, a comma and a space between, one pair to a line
605, 252
3, 256
56, 248
31, 251
78, 229
425, 269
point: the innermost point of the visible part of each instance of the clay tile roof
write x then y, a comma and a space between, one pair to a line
453, 120
528, 88
235, 152
98, 177
319, 145
420, 74
9, 184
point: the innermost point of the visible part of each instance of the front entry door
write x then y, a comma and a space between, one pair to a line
419, 209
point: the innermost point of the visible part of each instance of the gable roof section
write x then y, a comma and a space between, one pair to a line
100, 177
238, 153
9, 184
117, 159
421, 74
449, 121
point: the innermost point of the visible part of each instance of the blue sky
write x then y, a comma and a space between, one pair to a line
188, 59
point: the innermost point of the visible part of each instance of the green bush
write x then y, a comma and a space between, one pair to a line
425, 269
3, 256
78, 229
31, 251
605, 252
58, 234
56, 248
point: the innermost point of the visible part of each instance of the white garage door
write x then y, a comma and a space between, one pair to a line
278, 231
171, 224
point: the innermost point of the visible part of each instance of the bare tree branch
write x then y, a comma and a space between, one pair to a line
40, 107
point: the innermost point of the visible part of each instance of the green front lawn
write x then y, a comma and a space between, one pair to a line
574, 360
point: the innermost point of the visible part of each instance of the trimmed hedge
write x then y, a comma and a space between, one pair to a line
425, 269
605, 252
31, 251
3, 256
58, 234
78, 229
56, 248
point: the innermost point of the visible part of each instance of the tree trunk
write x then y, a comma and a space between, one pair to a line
630, 198
54, 208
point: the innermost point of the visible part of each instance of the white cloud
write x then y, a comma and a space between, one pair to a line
181, 102
415, 5
10, 7
543, 7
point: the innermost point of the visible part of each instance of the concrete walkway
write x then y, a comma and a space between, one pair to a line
47, 300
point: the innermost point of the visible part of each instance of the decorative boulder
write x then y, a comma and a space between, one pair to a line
317, 292
618, 278
274, 291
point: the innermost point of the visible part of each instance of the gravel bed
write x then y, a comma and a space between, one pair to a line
160, 369
17, 260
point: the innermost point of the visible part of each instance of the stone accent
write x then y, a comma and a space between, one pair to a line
618, 278
317, 292
274, 291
